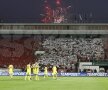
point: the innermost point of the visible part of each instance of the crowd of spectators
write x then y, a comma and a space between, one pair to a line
67, 52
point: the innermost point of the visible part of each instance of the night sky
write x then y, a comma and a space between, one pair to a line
29, 10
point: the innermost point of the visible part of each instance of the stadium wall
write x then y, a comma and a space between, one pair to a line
60, 74
53, 31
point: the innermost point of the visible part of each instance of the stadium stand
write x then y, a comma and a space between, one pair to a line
63, 50
68, 51
77, 49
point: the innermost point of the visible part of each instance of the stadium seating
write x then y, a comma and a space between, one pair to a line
65, 52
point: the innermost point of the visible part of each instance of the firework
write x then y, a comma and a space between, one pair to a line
54, 15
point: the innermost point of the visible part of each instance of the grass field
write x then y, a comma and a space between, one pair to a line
62, 83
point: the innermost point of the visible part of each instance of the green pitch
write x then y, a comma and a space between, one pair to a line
62, 83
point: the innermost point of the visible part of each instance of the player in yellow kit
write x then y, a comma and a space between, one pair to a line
28, 73
37, 71
10, 70
45, 72
54, 72
34, 69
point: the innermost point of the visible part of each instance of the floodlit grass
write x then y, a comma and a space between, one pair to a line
62, 83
